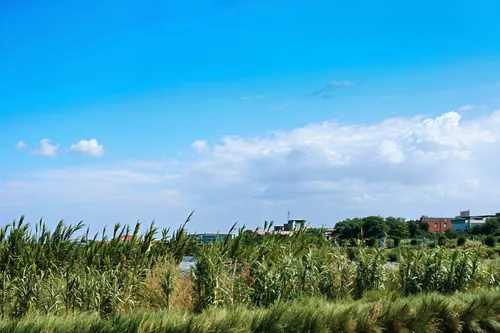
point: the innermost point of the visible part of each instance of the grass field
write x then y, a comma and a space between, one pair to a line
376, 312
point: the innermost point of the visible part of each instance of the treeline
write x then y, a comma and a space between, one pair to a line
377, 227
490, 227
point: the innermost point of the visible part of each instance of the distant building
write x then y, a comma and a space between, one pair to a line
279, 228
329, 233
275, 232
126, 237
438, 224
287, 228
208, 238
292, 225
465, 221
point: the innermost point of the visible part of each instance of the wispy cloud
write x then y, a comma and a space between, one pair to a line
87, 147
467, 107
46, 148
21, 145
252, 97
331, 88
277, 107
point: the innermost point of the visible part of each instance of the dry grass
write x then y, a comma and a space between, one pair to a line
153, 296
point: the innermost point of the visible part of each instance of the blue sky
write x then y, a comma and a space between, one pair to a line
146, 80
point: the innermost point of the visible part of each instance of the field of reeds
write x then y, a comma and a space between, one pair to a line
55, 281
469, 312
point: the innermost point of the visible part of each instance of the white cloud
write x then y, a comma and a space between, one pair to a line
200, 145
21, 145
325, 171
467, 107
46, 148
87, 147
389, 150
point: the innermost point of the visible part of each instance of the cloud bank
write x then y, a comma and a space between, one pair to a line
325, 171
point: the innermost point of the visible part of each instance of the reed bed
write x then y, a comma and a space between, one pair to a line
100, 283
460, 313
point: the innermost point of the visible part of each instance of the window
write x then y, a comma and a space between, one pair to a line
445, 225
435, 225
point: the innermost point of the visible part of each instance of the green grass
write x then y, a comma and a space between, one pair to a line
474, 313
248, 283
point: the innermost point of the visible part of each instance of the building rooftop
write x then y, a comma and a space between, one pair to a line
432, 219
274, 232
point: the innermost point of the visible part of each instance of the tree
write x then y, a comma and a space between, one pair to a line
370, 226
418, 228
350, 228
374, 226
490, 227
397, 227
461, 240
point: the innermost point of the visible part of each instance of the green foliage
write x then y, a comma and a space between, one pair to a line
490, 227
439, 270
56, 273
490, 241
452, 234
442, 240
369, 272
371, 241
393, 256
397, 241
397, 227
378, 312
413, 242
418, 228
461, 240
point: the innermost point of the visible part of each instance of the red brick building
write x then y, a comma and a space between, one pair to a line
438, 224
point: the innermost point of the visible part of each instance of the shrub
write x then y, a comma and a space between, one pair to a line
490, 241
352, 253
413, 242
392, 257
397, 241
389, 243
442, 240
371, 241
461, 241
451, 234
